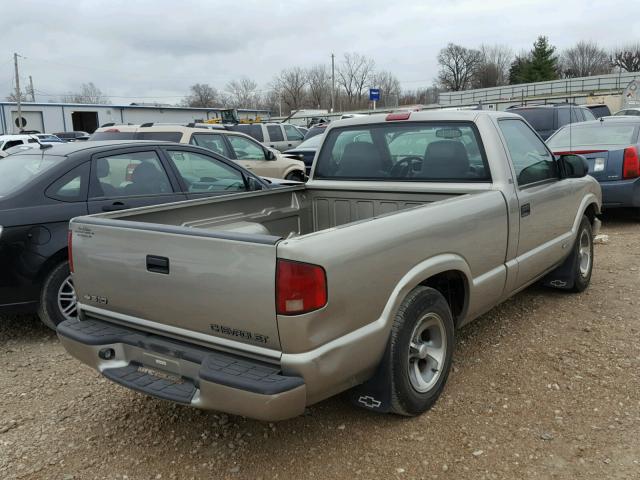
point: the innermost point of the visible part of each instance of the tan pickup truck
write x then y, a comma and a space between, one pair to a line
259, 304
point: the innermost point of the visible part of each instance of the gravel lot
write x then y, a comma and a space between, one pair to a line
545, 386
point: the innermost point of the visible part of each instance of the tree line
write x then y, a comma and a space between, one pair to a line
460, 68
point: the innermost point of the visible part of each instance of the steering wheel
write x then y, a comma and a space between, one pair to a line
233, 185
406, 165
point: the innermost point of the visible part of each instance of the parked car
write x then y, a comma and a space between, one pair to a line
411, 226
316, 129
632, 111
8, 141
73, 136
306, 151
546, 119
599, 109
611, 146
41, 189
280, 136
237, 146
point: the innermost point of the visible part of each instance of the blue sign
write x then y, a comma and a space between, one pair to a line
374, 94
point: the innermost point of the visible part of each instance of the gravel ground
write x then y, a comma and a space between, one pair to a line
545, 386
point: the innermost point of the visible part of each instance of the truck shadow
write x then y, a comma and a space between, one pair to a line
23, 327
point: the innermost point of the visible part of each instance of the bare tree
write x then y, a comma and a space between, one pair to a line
457, 66
389, 86
88, 93
202, 95
627, 58
243, 93
584, 59
319, 81
13, 97
291, 87
421, 96
493, 69
354, 74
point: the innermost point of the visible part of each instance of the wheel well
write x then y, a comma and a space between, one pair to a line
591, 212
452, 284
55, 259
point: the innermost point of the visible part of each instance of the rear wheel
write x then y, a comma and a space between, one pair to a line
58, 300
421, 351
295, 176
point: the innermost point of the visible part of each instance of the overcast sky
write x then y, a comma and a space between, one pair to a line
152, 51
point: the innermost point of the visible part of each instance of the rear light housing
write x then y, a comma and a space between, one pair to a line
70, 249
398, 116
112, 130
631, 163
300, 287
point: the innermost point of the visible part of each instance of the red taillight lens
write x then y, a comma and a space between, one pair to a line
631, 163
300, 287
70, 249
112, 130
398, 116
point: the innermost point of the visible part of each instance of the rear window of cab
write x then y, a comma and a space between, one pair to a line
425, 151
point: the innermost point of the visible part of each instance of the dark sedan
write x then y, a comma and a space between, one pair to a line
306, 151
41, 189
611, 146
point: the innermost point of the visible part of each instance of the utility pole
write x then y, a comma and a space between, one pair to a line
33, 94
333, 82
18, 95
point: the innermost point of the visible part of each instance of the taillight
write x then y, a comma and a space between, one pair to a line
112, 130
70, 249
631, 163
398, 116
300, 287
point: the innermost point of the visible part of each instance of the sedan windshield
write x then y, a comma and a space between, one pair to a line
18, 169
594, 134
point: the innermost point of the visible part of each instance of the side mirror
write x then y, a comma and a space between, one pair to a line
573, 166
269, 155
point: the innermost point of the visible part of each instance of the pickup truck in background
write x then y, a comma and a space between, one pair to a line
412, 225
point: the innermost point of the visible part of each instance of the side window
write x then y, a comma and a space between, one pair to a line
275, 133
11, 143
563, 117
246, 149
128, 174
72, 186
588, 115
203, 174
531, 159
162, 136
576, 115
211, 141
292, 132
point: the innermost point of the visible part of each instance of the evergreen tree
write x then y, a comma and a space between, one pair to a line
537, 66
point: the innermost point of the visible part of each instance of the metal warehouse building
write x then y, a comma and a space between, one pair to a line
65, 117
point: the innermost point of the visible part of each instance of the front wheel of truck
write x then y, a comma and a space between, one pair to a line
583, 252
421, 351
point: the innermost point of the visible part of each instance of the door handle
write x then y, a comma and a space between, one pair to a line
525, 210
158, 264
114, 207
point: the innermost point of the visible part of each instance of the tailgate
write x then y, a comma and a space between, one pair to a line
191, 283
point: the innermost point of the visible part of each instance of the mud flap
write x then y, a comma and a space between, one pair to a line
563, 277
375, 393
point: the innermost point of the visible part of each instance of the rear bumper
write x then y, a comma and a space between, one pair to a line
184, 373
621, 193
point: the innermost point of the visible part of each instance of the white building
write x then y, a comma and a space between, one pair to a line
67, 117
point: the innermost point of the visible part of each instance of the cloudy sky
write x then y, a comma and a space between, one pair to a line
153, 50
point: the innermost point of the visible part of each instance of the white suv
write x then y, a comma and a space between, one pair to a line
237, 146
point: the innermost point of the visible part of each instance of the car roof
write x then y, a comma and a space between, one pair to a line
548, 105
65, 149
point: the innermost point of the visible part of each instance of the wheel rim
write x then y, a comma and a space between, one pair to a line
67, 301
584, 253
427, 351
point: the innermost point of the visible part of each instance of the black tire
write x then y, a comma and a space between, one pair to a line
49, 310
422, 303
295, 176
582, 276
